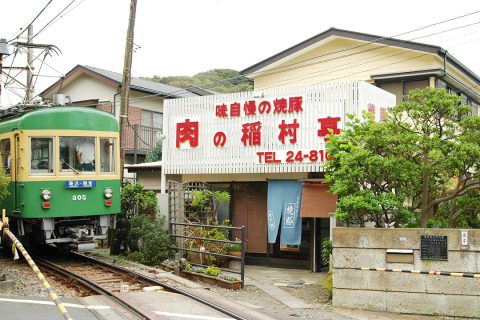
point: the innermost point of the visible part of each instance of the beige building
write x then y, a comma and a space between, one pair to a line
391, 64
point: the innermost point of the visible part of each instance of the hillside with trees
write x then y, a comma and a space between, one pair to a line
219, 80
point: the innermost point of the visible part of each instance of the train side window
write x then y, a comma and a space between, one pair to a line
107, 155
6, 155
41, 155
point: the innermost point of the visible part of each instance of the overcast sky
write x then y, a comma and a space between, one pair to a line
184, 37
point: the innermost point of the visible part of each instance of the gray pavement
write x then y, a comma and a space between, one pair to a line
40, 308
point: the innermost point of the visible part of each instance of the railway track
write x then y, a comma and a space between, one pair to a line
108, 280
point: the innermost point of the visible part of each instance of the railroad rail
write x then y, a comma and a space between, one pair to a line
106, 279
95, 286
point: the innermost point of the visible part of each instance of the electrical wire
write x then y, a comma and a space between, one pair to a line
277, 69
349, 65
31, 22
55, 20
52, 20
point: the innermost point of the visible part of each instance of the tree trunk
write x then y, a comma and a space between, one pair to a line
452, 219
425, 196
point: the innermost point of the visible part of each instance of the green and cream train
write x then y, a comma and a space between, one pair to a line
62, 164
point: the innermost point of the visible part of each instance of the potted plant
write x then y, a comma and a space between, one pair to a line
235, 249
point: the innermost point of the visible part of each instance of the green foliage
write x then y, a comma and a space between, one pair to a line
206, 204
138, 231
155, 154
4, 181
371, 182
399, 172
235, 247
205, 245
219, 80
463, 212
169, 262
213, 271
226, 277
327, 283
188, 267
148, 204
327, 248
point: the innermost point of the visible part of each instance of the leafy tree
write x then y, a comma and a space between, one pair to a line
426, 154
155, 154
371, 181
219, 80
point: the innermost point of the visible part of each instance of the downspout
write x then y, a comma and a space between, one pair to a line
114, 107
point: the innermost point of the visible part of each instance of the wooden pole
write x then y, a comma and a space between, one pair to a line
127, 68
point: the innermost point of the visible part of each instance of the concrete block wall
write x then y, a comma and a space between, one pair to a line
405, 292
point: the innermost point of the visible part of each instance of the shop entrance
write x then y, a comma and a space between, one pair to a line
249, 202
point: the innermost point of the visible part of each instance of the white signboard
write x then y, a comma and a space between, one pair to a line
277, 130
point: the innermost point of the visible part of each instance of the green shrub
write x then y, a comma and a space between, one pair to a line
169, 262
235, 247
327, 248
213, 271
188, 267
198, 270
328, 284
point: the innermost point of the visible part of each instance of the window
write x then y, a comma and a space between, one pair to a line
77, 154
107, 155
152, 119
6, 156
41, 155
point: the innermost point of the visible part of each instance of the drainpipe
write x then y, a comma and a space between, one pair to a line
114, 107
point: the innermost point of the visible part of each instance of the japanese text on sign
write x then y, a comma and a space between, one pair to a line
251, 132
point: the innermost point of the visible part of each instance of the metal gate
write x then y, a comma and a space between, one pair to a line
180, 196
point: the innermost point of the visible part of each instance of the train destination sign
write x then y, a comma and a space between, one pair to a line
433, 247
80, 184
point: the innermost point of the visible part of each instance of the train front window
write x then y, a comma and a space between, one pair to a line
41, 155
77, 154
107, 155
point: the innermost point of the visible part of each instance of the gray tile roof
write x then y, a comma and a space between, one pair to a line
145, 85
250, 71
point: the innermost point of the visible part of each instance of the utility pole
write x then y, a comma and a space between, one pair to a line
3, 52
29, 65
127, 70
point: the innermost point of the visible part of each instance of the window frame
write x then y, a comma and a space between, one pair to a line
115, 164
52, 163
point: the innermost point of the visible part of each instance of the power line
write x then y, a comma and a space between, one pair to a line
294, 65
52, 20
349, 64
33, 20
60, 16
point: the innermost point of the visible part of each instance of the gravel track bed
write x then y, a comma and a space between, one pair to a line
252, 297
26, 282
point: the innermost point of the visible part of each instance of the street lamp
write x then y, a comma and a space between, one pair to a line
3, 52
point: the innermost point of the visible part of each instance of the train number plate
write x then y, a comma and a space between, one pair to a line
79, 184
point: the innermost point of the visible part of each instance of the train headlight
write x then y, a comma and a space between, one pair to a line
46, 195
108, 193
